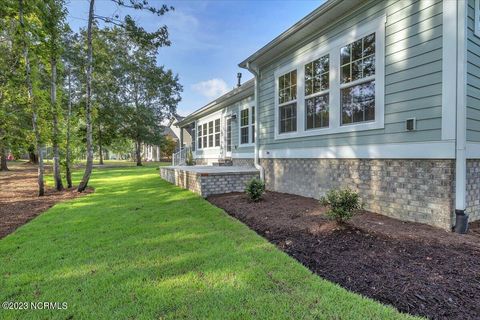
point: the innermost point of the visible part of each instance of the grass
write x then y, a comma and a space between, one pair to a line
140, 248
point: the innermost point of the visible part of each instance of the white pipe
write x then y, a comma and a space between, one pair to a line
460, 144
256, 94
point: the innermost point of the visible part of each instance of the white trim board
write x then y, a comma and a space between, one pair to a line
418, 150
449, 68
473, 150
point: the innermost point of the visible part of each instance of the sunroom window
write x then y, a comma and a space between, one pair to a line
204, 130
217, 133
244, 128
287, 101
199, 134
317, 81
210, 134
357, 80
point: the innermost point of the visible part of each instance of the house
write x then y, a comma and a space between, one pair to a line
379, 96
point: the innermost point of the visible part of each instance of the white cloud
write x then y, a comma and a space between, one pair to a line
212, 88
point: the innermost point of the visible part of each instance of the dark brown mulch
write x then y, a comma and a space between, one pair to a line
19, 202
414, 267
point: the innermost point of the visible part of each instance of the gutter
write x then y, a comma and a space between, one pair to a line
461, 223
256, 94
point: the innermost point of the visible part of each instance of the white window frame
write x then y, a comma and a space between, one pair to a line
249, 107
476, 25
316, 94
332, 48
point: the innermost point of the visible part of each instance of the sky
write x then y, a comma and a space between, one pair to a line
209, 38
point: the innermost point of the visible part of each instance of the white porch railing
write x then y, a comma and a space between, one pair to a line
180, 158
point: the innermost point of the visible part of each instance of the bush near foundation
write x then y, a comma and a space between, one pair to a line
342, 204
255, 189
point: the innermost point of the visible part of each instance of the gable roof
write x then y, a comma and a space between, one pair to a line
319, 18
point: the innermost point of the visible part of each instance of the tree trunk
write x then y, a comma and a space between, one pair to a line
57, 176
3, 159
67, 147
88, 107
32, 103
100, 149
32, 156
138, 153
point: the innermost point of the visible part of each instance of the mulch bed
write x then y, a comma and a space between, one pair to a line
416, 268
19, 202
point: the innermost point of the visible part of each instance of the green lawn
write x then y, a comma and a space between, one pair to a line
140, 248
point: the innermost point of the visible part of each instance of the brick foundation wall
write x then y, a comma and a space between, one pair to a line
411, 190
473, 189
243, 162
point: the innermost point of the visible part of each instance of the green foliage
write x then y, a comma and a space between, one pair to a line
149, 250
255, 189
343, 204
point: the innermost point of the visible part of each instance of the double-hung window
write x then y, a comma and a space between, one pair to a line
317, 83
210, 134
244, 127
357, 78
287, 102
199, 135
204, 131
217, 133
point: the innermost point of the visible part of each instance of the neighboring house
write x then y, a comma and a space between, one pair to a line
379, 96
178, 134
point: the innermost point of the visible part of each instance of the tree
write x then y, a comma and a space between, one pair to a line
52, 14
137, 34
168, 146
31, 98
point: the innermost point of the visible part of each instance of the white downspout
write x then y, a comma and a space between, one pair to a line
256, 94
461, 132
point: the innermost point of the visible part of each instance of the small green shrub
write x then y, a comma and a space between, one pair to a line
255, 189
342, 204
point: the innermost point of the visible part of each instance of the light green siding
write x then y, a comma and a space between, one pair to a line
413, 76
473, 78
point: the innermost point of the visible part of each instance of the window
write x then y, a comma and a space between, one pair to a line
357, 78
199, 133
317, 83
244, 136
229, 134
205, 142
210, 134
287, 101
253, 124
217, 133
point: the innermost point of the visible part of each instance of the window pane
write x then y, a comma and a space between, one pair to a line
210, 140
217, 125
369, 66
205, 142
357, 70
345, 55
253, 133
317, 111
345, 73
357, 50
244, 117
253, 114
288, 118
358, 103
369, 45
204, 129
244, 135
217, 140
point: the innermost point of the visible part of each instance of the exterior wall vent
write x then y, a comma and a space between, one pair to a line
411, 124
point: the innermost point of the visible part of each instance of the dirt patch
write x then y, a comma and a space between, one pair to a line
414, 267
19, 202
